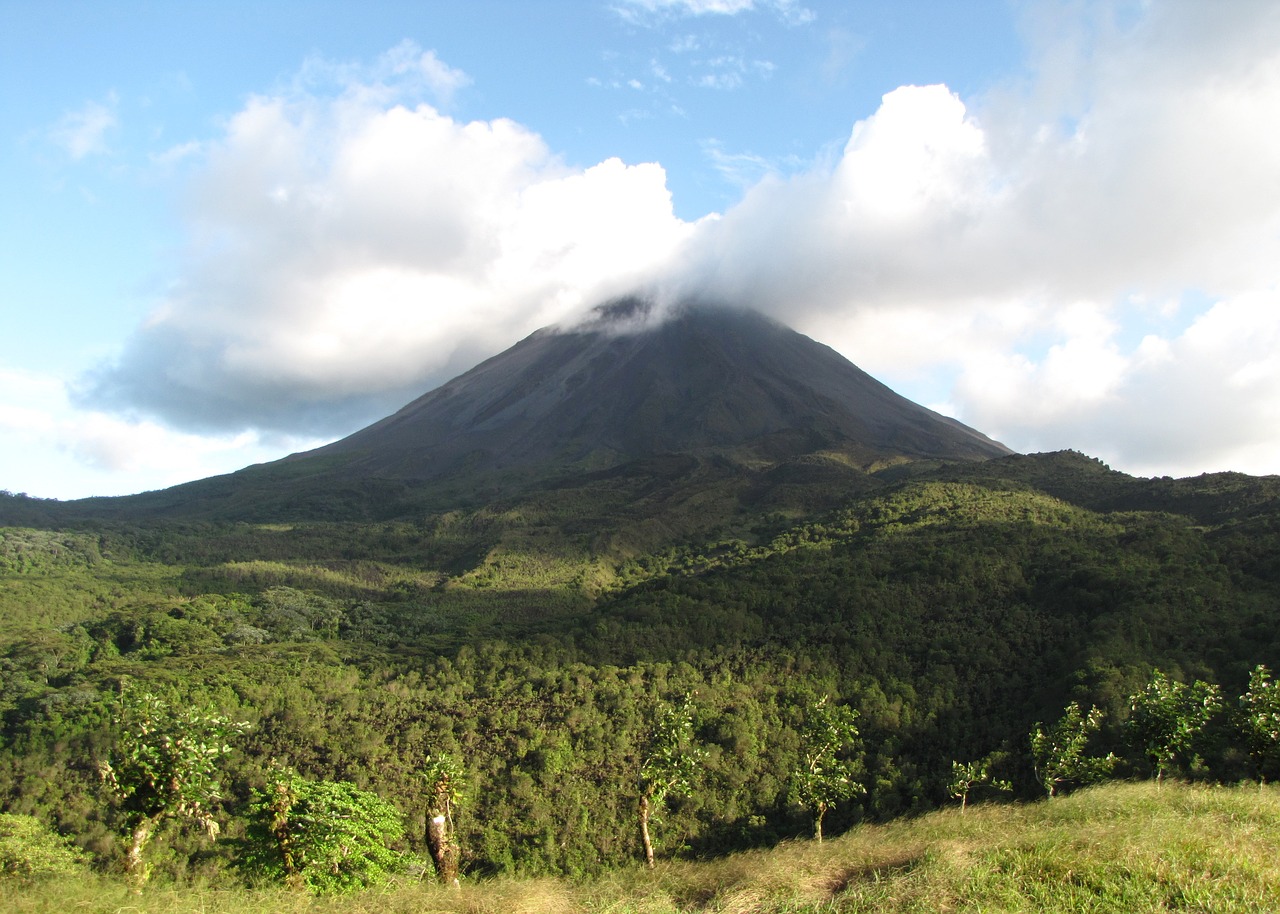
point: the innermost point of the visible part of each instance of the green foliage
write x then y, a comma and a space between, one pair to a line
830, 765
446, 781
164, 765
965, 777
1113, 848
29, 849
671, 763
1167, 719
1059, 752
1258, 718
324, 836
672, 757
25, 551
525, 631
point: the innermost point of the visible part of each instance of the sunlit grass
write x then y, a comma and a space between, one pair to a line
1120, 848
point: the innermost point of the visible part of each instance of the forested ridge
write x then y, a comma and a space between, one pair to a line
537, 639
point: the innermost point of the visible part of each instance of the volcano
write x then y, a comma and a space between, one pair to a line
704, 393
706, 381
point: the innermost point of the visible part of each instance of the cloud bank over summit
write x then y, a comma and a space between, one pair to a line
1089, 255
1085, 258
348, 248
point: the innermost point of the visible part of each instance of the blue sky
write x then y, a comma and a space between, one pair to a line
232, 231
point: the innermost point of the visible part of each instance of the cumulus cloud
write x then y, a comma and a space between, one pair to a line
350, 251
351, 248
1010, 241
1207, 398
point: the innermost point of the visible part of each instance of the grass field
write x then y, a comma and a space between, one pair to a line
1116, 848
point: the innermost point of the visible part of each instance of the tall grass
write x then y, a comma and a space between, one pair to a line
1117, 848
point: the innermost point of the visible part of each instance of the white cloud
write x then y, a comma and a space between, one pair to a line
789, 11
351, 248
349, 252
1205, 399
84, 132
406, 59
1011, 242
53, 447
403, 73
687, 7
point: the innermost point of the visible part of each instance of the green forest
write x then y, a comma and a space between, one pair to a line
535, 667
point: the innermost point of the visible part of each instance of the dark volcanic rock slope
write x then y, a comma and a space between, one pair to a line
710, 381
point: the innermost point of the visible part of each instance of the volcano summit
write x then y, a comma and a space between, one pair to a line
706, 381
702, 390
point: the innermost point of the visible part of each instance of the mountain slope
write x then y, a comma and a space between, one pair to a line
711, 397
708, 381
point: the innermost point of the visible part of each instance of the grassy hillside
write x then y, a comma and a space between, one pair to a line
1123, 848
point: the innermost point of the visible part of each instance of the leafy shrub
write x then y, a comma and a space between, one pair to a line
29, 849
326, 836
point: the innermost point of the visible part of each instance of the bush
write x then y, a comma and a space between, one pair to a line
29, 849
324, 836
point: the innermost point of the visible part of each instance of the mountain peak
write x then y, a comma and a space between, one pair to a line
631, 383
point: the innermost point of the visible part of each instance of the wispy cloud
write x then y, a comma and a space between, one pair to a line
84, 132
740, 169
404, 74
643, 11
728, 71
181, 152
697, 47
640, 9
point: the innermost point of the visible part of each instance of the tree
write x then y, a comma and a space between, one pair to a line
324, 836
1058, 752
670, 764
445, 782
967, 776
1258, 718
1167, 717
163, 765
828, 772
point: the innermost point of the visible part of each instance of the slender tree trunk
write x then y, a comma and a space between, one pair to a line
644, 831
817, 822
444, 850
135, 867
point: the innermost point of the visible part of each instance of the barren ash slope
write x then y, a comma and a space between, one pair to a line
705, 381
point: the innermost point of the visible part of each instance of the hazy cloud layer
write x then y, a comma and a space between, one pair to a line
1086, 259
